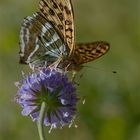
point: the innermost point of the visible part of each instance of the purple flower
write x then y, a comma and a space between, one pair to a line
53, 88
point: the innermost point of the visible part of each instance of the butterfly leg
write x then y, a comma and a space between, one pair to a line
56, 63
73, 76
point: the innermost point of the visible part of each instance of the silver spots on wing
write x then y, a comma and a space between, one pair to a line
39, 41
34, 51
54, 38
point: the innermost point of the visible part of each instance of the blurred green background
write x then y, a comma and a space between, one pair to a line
112, 107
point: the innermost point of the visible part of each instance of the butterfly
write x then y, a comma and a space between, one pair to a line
48, 37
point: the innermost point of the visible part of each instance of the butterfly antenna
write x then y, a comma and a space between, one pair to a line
114, 72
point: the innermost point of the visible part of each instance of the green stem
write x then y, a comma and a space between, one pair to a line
40, 122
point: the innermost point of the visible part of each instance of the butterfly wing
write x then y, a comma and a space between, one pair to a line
39, 41
60, 14
86, 52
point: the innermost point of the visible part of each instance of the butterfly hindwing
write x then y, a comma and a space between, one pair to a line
86, 52
39, 41
60, 14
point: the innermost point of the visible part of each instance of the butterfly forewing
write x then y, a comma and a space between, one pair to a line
39, 41
60, 14
86, 52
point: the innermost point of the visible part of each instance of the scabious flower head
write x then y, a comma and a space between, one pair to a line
53, 88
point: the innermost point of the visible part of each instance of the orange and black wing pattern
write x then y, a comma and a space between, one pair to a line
60, 14
86, 52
